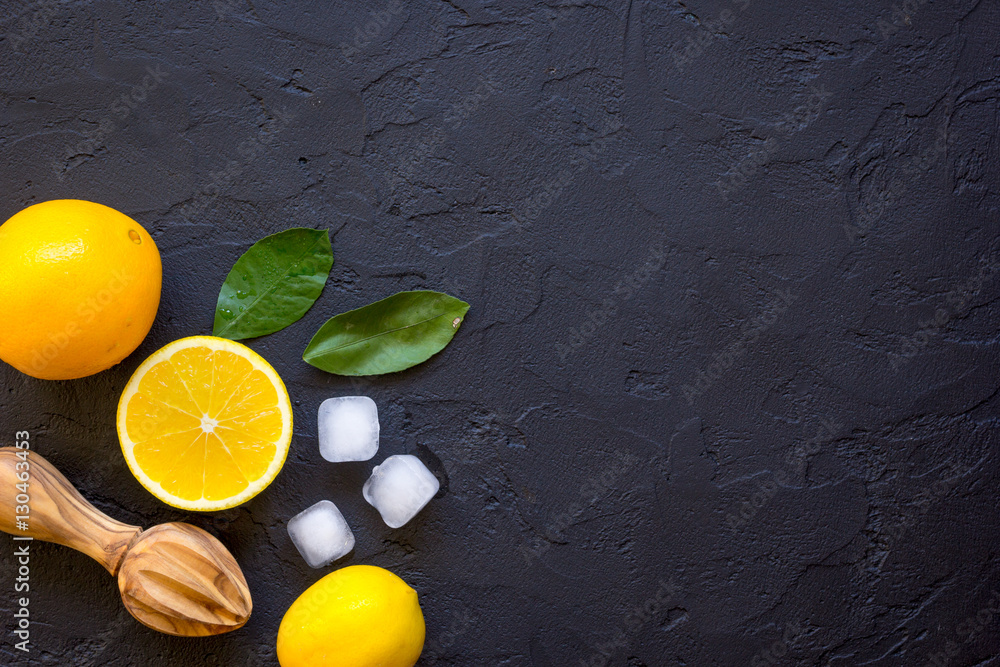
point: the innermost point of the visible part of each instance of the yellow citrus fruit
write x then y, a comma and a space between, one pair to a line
79, 288
359, 616
205, 423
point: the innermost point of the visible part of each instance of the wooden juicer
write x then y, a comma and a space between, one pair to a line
174, 578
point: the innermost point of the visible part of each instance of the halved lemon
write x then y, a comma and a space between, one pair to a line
205, 423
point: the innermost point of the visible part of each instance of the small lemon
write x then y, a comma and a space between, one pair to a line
359, 616
79, 288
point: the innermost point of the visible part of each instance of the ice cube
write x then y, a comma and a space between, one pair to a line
399, 488
321, 534
348, 428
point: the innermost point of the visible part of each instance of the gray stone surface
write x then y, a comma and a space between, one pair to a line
732, 353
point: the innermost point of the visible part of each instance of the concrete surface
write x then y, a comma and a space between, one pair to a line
728, 391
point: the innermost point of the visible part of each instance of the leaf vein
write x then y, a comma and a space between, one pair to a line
381, 333
271, 289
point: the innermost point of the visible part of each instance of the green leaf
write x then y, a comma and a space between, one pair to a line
273, 284
390, 335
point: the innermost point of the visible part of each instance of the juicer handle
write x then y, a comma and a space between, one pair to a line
42, 504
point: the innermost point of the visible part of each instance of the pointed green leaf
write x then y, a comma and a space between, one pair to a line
390, 335
273, 284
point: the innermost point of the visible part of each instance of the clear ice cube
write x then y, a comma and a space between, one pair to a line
348, 429
321, 534
399, 488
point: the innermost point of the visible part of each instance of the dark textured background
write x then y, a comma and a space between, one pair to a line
732, 353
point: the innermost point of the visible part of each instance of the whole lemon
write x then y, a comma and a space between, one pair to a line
359, 616
79, 288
